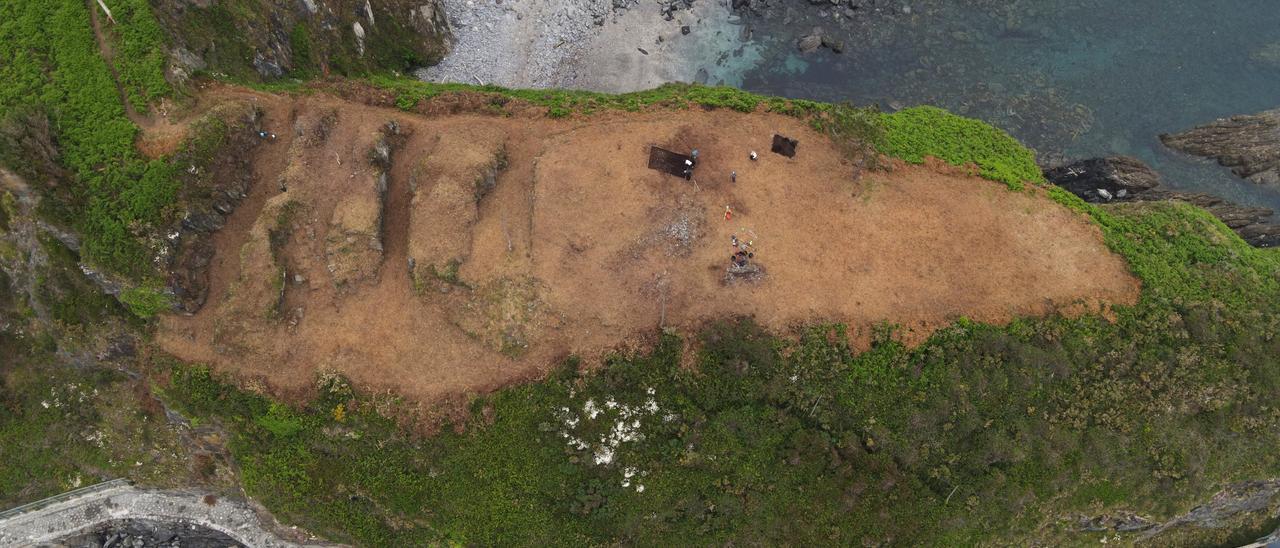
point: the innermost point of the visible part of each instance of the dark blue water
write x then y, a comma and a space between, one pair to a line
1071, 78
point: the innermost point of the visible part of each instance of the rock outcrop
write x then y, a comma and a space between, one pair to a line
213, 184
1125, 179
267, 39
1248, 144
1239, 507
1105, 179
1236, 506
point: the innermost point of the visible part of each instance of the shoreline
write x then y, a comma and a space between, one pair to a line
594, 45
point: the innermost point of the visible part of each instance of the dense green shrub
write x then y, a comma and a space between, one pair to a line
67, 427
145, 302
49, 58
915, 133
138, 45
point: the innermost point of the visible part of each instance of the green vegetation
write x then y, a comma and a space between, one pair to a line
145, 302
72, 300
410, 92
982, 434
830, 118
233, 35
859, 131
63, 427
138, 47
300, 43
448, 274
51, 67
916, 133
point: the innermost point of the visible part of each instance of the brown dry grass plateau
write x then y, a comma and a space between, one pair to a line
437, 255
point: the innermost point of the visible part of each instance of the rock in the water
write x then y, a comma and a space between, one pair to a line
1090, 179
1248, 144
1124, 179
1268, 54
811, 41
836, 46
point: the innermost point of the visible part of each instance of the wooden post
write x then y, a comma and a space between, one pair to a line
103, 4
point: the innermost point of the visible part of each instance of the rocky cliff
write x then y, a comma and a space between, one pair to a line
269, 39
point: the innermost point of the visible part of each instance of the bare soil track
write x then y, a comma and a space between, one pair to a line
494, 246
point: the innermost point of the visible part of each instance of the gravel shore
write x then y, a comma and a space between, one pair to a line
116, 505
602, 45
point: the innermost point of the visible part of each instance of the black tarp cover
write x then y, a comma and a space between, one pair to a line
666, 161
784, 146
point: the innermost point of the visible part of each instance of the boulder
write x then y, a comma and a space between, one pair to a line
811, 41
1248, 144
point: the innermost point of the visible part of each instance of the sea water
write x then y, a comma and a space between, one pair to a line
1071, 78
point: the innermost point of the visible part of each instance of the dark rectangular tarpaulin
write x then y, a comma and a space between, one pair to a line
784, 146
666, 161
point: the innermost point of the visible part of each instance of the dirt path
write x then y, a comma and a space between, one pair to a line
161, 133
108, 57
270, 160
576, 247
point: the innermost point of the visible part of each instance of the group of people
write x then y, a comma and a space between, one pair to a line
692, 162
689, 164
742, 254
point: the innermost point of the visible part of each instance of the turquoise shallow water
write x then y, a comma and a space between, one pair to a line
1073, 78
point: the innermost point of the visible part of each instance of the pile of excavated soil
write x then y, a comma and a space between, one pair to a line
434, 256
